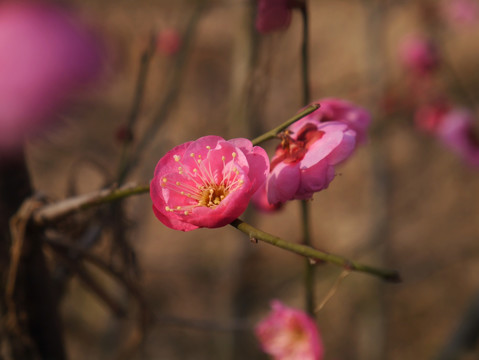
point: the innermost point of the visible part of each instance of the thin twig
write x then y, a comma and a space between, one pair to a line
145, 61
333, 290
273, 133
57, 211
174, 85
311, 253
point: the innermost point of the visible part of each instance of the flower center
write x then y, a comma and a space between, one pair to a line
213, 195
200, 185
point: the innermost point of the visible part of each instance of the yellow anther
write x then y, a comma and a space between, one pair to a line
164, 179
208, 147
192, 155
223, 158
233, 154
177, 157
186, 212
178, 208
177, 183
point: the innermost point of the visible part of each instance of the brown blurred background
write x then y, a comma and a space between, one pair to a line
402, 201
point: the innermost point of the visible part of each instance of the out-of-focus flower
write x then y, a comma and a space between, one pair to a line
429, 117
461, 12
274, 15
207, 182
457, 132
168, 42
454, 127
46, 55
419, 55
289, 334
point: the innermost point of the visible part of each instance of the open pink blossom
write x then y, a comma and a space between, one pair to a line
273, 15
168, 42
304, 161
356, 117
289, 334
207, 182
419, 55
457, 132
46, 54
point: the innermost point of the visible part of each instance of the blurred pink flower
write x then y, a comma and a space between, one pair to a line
461, 12
273, 15
429, 117
168, 42
207, 182
419, 55
45, 55
304, 161
457, 132
454, 127
289, 334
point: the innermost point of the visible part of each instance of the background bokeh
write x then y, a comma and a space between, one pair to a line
402, 201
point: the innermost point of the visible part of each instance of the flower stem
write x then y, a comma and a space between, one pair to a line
314, 254
305, 56
273, 133
309, 269
306, 227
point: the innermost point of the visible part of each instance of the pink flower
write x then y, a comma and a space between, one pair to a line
289, 334
419, 55
457, 132
461, 12
45, 55
273, 15
260, 200
168, 42
207, 182
304, 161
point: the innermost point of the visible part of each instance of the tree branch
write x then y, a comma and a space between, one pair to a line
311, 253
